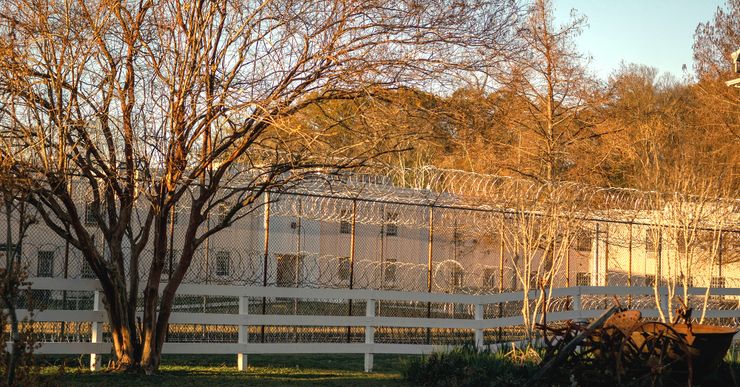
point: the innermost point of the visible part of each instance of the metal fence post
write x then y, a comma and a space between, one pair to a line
567, 267
430, 263
577, 307
241, 360
207, 258
606, 255
629, 270
659, 272
719, 256
352, 263
479, 339
97, 333
266, 255
369, 334
595, 281
65, 276
207, 253
501, 275
172, 243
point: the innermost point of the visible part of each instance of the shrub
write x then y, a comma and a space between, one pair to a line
467, 367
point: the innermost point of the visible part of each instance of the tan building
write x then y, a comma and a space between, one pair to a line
392, 250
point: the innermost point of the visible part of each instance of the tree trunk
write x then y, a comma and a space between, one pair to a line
159, 322
123, 327
152, 346
10, 293
14, 336
151, 352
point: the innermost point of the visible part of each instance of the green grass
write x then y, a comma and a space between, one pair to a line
212, 370
264, 371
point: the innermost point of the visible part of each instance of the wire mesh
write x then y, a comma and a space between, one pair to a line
414, 230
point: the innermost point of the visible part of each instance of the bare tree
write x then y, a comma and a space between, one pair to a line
715, 40
541, 230
556, 96
718, 105
686, 229
149, 104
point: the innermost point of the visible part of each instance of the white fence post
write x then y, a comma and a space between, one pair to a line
97, 333
479, 331
241, 360
369, 334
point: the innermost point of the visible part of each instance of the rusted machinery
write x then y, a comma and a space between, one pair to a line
619, 348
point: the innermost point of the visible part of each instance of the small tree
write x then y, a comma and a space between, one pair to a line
555, 96
540, 231
687, 228
17, 218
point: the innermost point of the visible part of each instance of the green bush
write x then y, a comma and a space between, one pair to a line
467, 367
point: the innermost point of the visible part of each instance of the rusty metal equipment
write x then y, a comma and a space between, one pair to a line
619, 348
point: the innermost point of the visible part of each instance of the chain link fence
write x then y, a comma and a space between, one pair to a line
372, 242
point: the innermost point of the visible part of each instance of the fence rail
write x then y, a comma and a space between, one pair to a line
477, 320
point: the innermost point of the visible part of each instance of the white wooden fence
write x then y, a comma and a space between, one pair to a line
369, 321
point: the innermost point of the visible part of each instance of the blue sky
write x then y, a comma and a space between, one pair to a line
657, 33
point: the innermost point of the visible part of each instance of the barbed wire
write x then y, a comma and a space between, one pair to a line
416, 222
474, 195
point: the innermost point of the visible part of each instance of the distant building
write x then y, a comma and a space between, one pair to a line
392, 251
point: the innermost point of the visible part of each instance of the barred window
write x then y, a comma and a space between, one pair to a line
223, 211
288, 270
391, 225
87, 271
45, 264
345, 227
223, 263
90, 215
718, 282
489, 278
583, 279
343, 271
584, 242
456, 277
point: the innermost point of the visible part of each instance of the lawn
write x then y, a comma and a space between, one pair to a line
264, 371
212, 370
